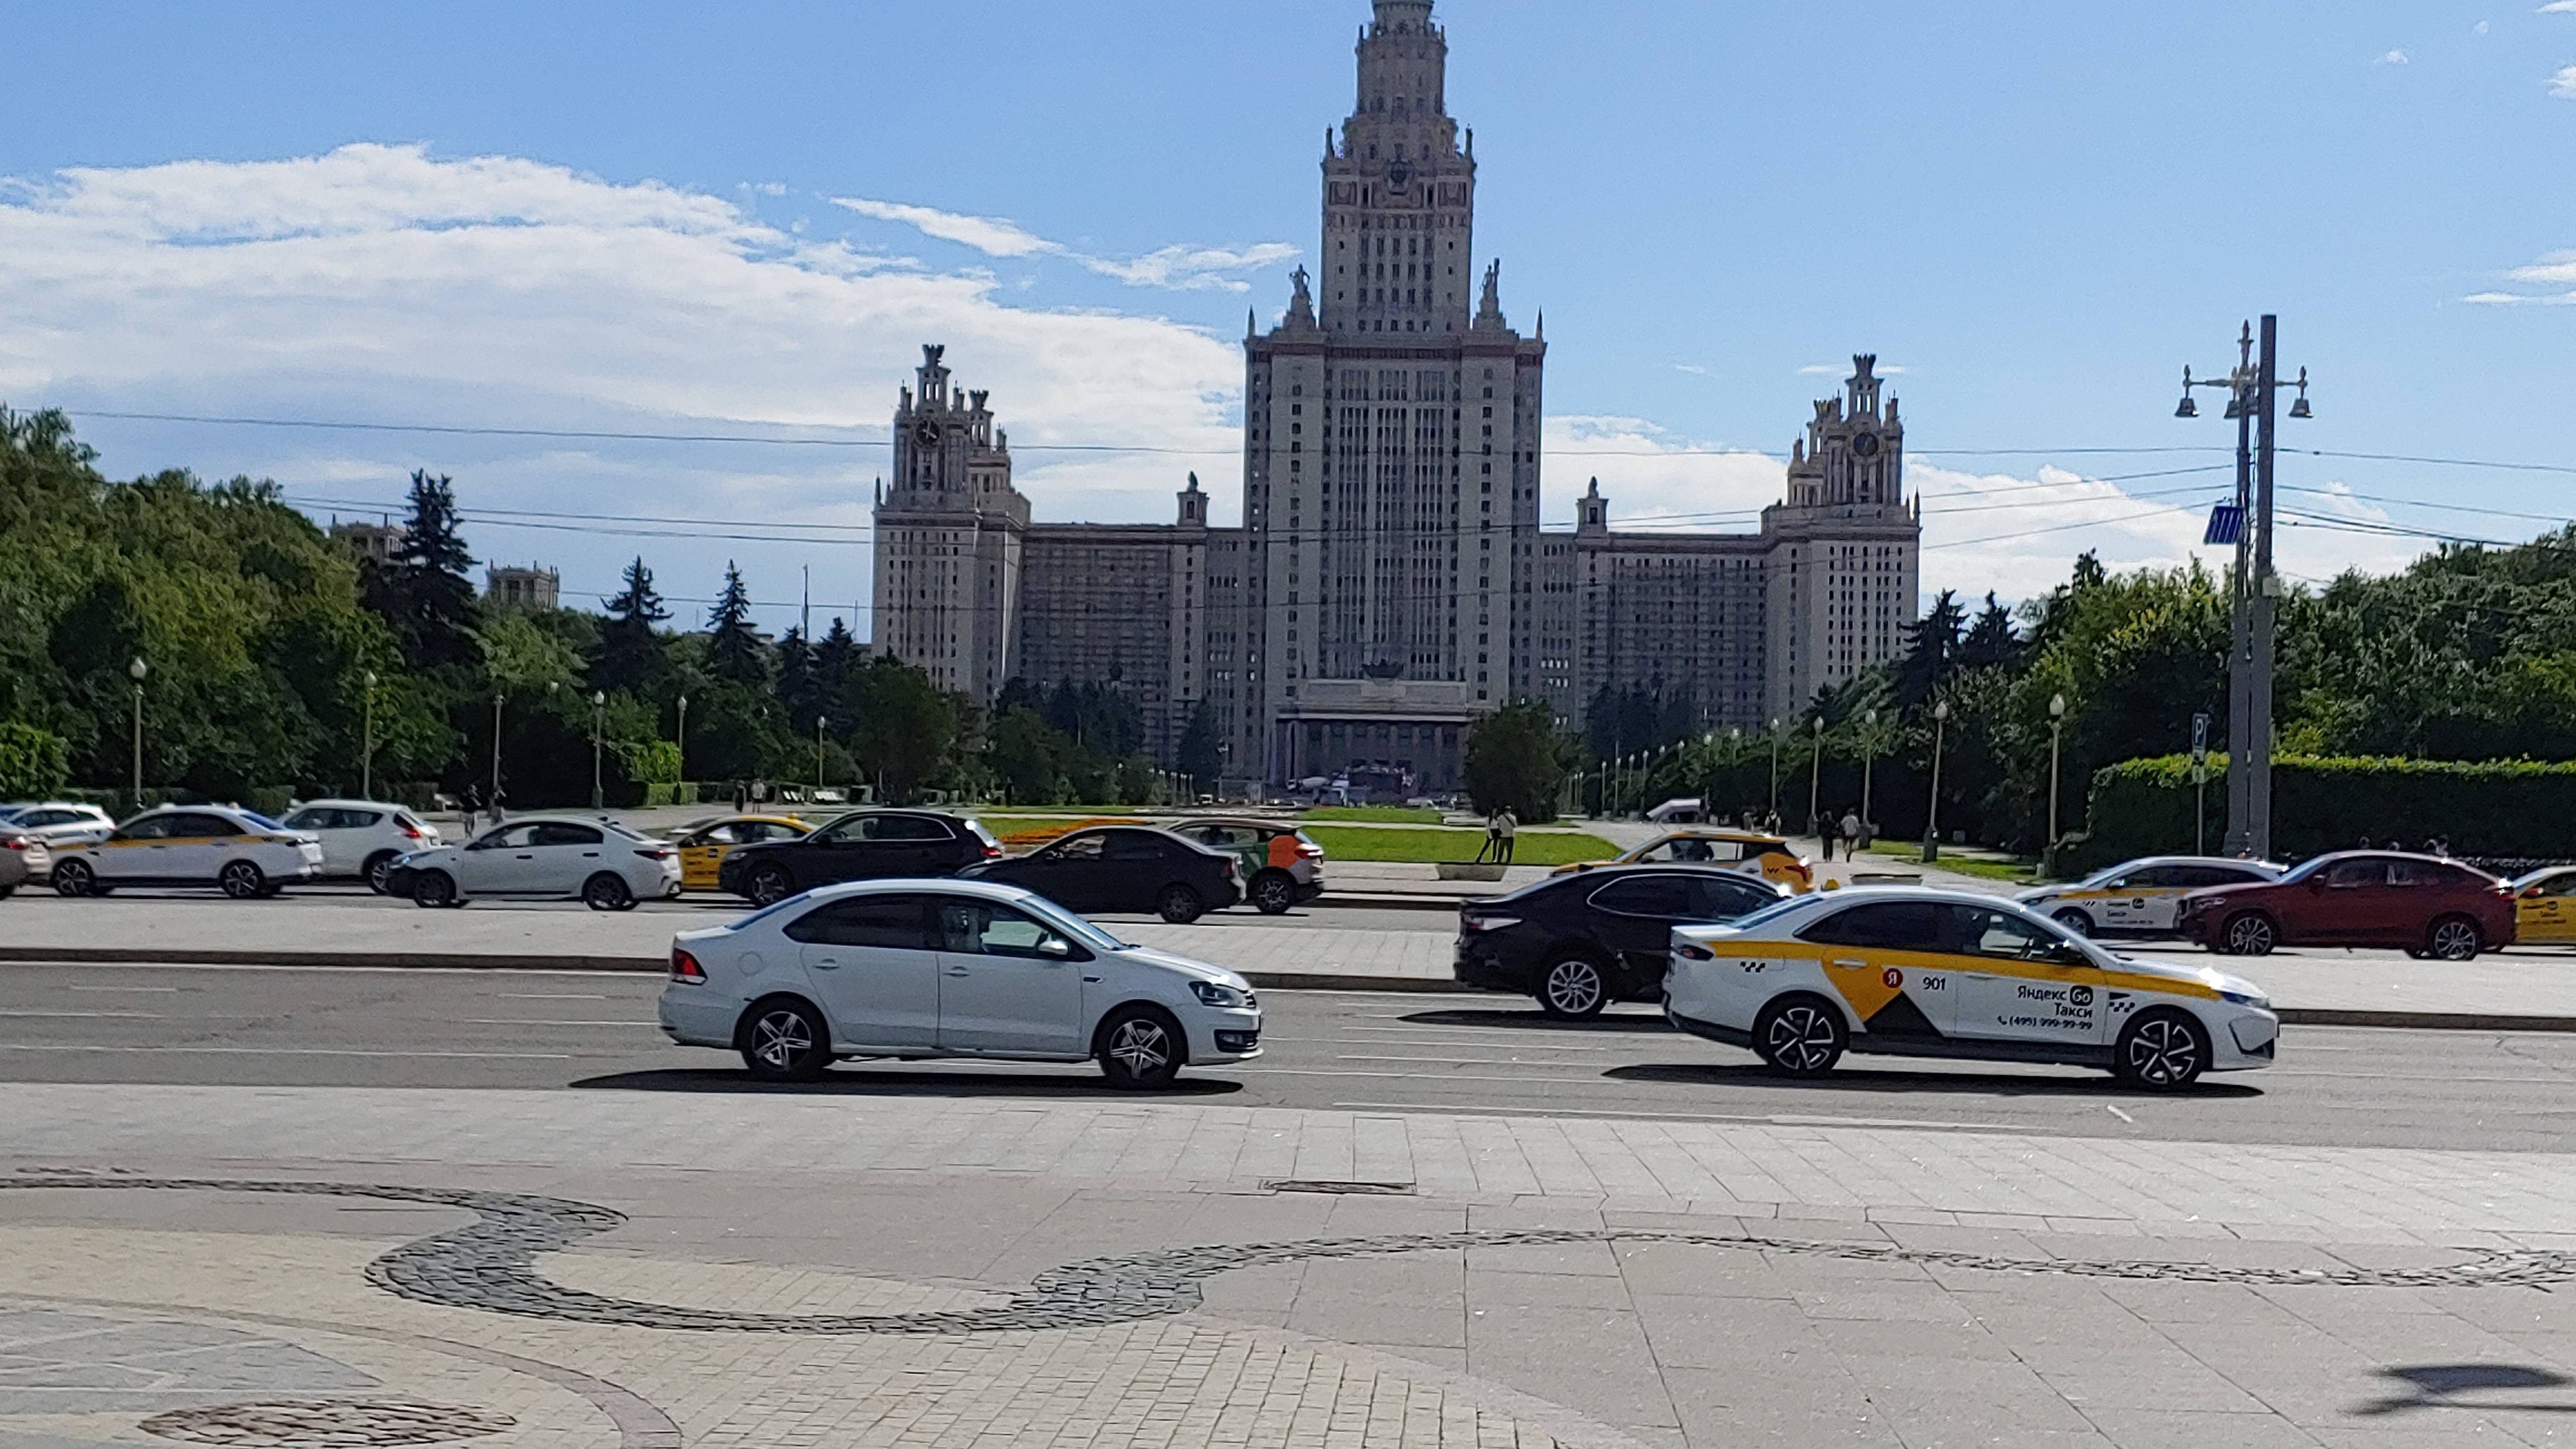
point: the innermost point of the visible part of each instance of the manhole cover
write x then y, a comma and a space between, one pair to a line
326, 1424
1360, 1189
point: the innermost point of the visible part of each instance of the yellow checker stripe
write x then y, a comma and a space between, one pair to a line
1878, 993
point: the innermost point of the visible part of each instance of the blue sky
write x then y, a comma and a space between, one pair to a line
636, 218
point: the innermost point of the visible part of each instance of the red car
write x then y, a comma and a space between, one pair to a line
2431, 907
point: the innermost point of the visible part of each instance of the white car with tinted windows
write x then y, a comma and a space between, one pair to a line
921, 969
363, 838
1929, 973
239, 852
59, 823
600, 863
2141, 897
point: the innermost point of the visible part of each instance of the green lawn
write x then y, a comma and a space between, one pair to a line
2019, 872
1424, 844
1375, 814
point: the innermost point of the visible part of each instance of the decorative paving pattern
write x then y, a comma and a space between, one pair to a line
490, 1264
326, 1424
54, 1362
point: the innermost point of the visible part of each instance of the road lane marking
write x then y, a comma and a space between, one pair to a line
1911, 1123
83, 1015
546, 1021
125, 988
2123, 1116
547, 996
160, 1051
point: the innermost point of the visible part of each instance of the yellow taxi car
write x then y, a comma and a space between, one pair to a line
704, 846
1749, 851
1913, 972
2544, 907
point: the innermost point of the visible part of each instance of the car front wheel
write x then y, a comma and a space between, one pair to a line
768, 886
1179, 905
2251, 934
433, 890
378, 866
785, 1041
74, 878
1800, 1036
2161, 1051
2455, 938
1573, 989
605, 892
1140, 1049
2077, 921
242, 881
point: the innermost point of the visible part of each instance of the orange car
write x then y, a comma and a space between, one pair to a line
1751, 852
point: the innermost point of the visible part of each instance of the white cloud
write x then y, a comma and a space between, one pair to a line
2394, 57
2558, 269
1693, 368
2563, 84
2559, 7
1843, 369
2482, 27
1654, 480
1180, 268
381, 283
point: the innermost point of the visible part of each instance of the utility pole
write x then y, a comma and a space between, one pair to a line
2253, 388
367, 748
2056, 738
680, 737
598, 746
136, 671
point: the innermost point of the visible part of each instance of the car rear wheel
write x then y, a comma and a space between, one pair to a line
242, 881
2161, 1051
1800, 1036
1179, 905
785, 1041
768, 886
1140, 1048
2455, 938
433, 890
74, 878
605, 892
378, 866
2077, 921
1573, 989
1273, 892
2251, 934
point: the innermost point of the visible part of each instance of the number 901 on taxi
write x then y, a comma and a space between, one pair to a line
1929, 973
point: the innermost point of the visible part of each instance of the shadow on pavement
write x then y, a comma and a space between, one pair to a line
1533, 1018
881, 1083
2432, 1386
1865, 1079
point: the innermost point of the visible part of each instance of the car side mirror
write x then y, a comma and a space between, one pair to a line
2531, 893
2316, 882
2067, 953
1055, 946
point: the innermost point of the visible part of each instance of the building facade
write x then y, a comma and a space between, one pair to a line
1389, 584
532, 587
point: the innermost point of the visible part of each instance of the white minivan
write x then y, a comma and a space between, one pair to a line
917, 969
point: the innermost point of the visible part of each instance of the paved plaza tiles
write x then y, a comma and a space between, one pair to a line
324, 1266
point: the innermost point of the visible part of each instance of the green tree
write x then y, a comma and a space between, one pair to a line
734, 650
1027, 756
423, 591
630, 647
1515, 759
1198, 755
33, 763
902, 727
1931, 651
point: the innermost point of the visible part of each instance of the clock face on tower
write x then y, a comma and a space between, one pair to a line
1399, 173
1865, 445
927, 434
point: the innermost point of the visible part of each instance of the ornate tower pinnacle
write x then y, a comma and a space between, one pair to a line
1399, 192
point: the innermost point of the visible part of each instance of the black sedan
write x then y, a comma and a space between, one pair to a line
1580, 942
1124, 868
867, 845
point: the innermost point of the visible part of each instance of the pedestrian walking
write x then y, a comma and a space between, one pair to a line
470, 805
492, 807
1826, 825
1504, 827
1493, 837
741, 796
1851, 834
1771, 822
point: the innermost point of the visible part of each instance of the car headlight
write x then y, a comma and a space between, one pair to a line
2242, 999
1211, 993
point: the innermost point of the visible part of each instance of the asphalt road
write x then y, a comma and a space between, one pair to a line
1358, 1051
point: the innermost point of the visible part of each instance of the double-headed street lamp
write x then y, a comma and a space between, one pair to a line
1932, 814
2253, 388
680, 737
1777, 731
2056, 735
598, 747
136, 671
367, 744
819, 723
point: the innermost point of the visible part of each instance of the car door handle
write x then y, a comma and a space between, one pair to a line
590, 855
1853, 965
827, 964
958, 971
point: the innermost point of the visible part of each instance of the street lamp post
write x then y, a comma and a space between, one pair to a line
367, 744
1816, 780
680, 737
1777, 730
819, 723
136, 671
1868, 760
2056, 736
1932, 815
495, 801
2253, 388
598, 747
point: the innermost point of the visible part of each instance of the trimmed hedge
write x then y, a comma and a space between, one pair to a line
2498, 809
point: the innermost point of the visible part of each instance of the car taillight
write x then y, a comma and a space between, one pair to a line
410, 831
15, 843
1487, 923
685, 968
1310, 851
992, 852
655, 854
1690, 952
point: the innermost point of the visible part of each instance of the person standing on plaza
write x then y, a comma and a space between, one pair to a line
1505, 825
1851, 834
1826, 825
1493, 837
469, 805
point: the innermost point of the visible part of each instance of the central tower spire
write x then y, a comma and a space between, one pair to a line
1399, 189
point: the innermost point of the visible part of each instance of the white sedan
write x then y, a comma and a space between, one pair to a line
1951, 974
363, 838
2141, 897
244, 855
600, 863
916, 969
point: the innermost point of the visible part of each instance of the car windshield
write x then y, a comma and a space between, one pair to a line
261, 821
1769, 913
626, 831
1073, 925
